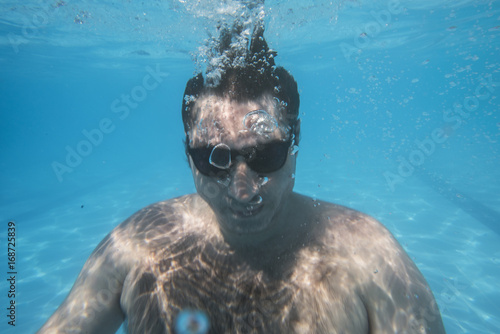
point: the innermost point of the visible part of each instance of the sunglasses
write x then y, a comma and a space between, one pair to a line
263, 158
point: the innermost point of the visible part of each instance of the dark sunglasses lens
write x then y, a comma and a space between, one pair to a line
269, 158
201, 159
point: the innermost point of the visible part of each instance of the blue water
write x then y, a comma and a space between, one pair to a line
403, 81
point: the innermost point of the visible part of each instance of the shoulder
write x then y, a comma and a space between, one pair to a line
157, 224
345, 231
394, 292
363, 241
352, 229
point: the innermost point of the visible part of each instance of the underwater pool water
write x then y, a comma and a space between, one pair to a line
400, 120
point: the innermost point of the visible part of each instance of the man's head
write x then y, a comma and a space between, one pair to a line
241, 130
243, 76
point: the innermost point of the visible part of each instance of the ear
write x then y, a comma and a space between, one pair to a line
191, 165
185, 142
297, 132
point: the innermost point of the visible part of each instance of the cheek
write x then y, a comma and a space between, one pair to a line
208, 189
283, 181
200, 181
288, 170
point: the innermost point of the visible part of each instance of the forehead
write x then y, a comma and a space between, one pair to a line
237, 124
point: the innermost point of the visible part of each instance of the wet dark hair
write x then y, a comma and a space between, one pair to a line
244, 77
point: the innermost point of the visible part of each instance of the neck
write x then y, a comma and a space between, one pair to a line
277, 245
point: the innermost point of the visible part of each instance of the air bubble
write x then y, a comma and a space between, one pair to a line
260, 122
258, 200
294, 150
189, 98
220, 156
263, 181
192, 322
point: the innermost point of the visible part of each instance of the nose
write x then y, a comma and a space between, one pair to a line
243, 186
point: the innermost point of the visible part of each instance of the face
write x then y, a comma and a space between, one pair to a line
242, 163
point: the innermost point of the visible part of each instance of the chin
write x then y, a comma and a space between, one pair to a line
237, 222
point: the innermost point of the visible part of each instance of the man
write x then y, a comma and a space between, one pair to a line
246, 251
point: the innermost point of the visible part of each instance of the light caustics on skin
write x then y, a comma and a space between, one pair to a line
217, 119
187, 267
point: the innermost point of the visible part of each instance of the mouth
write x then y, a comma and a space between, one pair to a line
248, 211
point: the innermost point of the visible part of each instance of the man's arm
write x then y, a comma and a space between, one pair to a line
395, 293
93, 305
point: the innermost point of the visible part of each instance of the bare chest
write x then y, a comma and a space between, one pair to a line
236, 297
